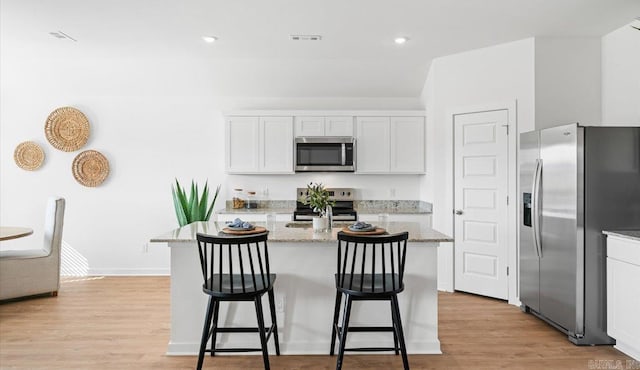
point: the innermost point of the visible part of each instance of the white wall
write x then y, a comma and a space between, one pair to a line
554, 81
498, 74
154, 120
567, 81
621, 77
494, 76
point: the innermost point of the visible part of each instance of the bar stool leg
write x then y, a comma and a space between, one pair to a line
398, 325
395, 336
274, 322
344, 331
263, 339
214, 327
336, 316
206, 331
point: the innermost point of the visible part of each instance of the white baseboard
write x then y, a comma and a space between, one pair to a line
630, 350
128, 272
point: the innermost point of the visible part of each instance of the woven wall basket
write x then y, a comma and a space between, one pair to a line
28, 156
90, 168
67, 129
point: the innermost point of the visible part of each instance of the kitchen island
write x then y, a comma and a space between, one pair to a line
305, 263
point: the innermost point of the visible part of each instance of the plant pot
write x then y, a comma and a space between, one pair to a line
320, 224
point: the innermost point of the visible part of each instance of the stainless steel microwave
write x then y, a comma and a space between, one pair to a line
325, 154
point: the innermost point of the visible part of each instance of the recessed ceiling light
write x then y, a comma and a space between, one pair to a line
401, 40
209, 39
305, 37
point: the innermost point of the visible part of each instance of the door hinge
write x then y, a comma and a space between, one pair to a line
507, 127
507, 200
507, 270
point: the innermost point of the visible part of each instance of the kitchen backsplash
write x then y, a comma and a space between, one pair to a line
364, 206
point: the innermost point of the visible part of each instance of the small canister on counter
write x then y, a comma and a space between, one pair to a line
238, 199
252, 202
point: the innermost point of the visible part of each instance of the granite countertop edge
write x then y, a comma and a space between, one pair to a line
280, 233
626, 234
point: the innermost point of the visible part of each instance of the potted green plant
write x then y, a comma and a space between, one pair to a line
194, 207
318, 198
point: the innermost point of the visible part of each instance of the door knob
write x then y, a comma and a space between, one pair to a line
458, 211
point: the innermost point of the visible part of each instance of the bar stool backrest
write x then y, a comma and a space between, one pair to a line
374, 264
234, 265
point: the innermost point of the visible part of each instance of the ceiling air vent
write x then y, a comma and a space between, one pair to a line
61, 35
305, 37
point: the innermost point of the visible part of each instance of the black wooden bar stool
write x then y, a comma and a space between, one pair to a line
236, 269
370, 268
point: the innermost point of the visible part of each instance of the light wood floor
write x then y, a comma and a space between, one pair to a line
123, 323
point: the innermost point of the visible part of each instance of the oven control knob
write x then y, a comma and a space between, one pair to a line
349, 193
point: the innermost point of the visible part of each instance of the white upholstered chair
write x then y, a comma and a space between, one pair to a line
35, 271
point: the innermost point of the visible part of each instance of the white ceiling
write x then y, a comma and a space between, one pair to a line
254, 56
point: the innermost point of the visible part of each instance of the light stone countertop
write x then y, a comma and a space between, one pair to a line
418, 232
392, 211
627, 234
265, 210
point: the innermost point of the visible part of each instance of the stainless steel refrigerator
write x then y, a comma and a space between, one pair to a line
574, 182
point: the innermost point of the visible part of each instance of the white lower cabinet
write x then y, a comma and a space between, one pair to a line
259, 145
390, 145
623, 294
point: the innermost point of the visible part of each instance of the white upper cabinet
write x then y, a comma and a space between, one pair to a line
262, 142
242, 141
338, 126
390, 145
276, 145
372, 144
407, 145
324, 126
259, 144
309, 126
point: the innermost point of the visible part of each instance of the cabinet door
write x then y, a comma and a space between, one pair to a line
242, 140
338, 126
407, 145
309, 126
372, 145
623, 296
276, 145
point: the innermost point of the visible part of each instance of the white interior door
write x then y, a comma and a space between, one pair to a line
480, 201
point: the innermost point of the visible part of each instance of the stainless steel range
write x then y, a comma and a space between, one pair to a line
342, 210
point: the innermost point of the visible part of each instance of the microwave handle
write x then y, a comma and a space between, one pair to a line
344, 154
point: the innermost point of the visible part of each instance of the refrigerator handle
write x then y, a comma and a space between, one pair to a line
535, 207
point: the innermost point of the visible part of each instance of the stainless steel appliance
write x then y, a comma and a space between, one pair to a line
574, 182
342, 210
325, 154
